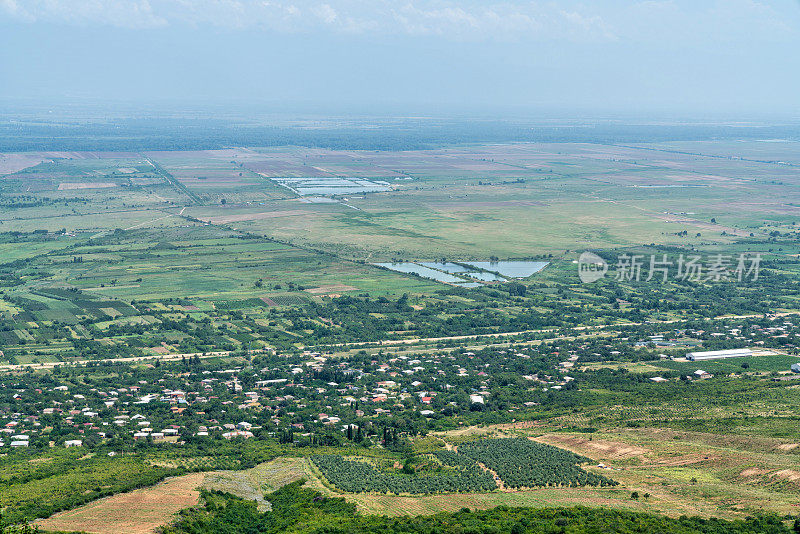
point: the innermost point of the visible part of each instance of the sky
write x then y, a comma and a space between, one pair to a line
690, 57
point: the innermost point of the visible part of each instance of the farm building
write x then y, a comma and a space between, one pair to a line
718, 354
796, 367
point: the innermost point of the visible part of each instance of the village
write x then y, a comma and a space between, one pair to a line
311, 397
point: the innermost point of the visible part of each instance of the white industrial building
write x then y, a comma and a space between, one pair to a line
718, 354
796, 367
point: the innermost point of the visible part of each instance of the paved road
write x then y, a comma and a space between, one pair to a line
385, 342
132, 359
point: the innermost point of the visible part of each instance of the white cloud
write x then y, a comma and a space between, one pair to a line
326, 13
530, 20
461, 19
129, 13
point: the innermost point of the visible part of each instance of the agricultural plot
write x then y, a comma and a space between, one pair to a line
198, 262
357, 476
518, 463
519, 200
140, 511
717, 473
75, 176
776, 151
218, 177
163, 232
67, 479
512, 201
11, 163
521, 463
778, 363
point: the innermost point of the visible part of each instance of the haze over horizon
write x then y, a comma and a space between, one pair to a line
645, 57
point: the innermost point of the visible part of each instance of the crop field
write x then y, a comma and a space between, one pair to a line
680, 473
347, 269
355, 476
460, 192
140, 511
193, 261
770, 363
516, 200
734, 474
521, 463
778, 363
674, 472
67, 479
477, 466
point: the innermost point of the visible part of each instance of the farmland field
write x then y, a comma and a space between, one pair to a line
355, 476
428, 267
137, 512
402, 329
465, 203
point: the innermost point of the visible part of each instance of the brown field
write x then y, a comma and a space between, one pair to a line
330, 288
11, 163
66, 186
280, 168
208, 176
690, 473
719, 475
140, 511
606, 449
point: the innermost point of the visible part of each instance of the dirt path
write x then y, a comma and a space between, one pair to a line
497, 480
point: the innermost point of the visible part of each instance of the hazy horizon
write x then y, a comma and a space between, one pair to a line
567, 59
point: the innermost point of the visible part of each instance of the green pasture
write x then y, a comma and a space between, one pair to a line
755, 364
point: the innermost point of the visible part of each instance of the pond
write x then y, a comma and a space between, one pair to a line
408, 267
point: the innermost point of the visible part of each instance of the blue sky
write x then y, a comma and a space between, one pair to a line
612, 56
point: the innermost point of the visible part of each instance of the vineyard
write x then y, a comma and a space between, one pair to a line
522, 463
360, 477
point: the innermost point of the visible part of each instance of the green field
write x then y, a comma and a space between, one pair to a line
245, 276
506, 200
